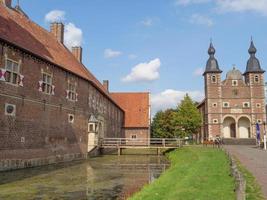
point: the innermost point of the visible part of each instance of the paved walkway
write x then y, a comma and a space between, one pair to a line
255, 160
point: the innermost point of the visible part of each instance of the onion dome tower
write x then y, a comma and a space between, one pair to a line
253, 64
212, 65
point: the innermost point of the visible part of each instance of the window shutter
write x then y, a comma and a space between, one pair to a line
2, 74
67, 94
76, 97
53, 90
21, 78
40, 86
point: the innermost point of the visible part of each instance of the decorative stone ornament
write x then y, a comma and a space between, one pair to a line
2, 74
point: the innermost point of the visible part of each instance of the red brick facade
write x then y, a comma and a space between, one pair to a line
233, 106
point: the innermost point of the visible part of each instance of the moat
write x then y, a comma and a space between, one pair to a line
106, 177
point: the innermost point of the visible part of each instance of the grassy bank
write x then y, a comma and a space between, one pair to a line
253, 190
196, 173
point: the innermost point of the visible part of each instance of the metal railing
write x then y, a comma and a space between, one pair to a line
140, 142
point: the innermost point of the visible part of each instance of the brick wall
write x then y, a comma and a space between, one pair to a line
42, 120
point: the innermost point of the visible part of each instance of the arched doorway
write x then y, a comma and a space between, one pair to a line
244, 127
229, 127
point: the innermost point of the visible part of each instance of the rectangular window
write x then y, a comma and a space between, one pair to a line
256, 79
213, 79
234, 83
12, 72
72, 91
47, 83
134, 136
226, 104
246, 105
215, 121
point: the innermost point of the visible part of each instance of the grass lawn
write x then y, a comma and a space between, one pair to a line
196, 173
253, 190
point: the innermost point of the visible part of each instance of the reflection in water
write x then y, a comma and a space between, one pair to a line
107, 177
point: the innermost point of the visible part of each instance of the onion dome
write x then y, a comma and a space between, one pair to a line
212, 65
253, 64
234, 74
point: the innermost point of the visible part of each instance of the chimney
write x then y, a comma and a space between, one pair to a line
57, 29
77, 52
106, 85
7, 3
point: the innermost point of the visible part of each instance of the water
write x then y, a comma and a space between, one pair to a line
108, 177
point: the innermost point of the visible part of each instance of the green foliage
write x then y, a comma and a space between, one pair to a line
183, 121
195, 173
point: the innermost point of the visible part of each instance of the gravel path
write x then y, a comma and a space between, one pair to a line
255, 160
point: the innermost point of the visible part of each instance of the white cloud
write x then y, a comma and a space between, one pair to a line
147, 22
144, 72
198, 72
73, 35
188, 2
109, 53
55, 16
132, 56
201, 20
259, 6
171, 98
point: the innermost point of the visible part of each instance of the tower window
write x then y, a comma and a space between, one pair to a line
256, 78
213, 79
226, 104
234, 83
246, 105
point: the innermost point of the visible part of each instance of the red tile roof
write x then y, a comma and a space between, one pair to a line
24, 33
136, 107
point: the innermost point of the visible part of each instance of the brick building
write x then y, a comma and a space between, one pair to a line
48, 98
137, 114
233, 106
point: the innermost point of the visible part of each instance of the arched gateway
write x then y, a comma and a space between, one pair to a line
233, 128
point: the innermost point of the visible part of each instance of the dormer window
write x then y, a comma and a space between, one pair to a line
213, 79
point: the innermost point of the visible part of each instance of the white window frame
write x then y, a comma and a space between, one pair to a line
12, 72
71, 121
244, 105
215, 121
14, 111
228, 105
234, 83
47, 86
72, 91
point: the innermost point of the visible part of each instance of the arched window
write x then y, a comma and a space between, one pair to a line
213, 79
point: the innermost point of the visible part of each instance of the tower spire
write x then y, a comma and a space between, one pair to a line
212, 65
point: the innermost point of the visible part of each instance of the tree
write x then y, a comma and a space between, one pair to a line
187, 119
162, 126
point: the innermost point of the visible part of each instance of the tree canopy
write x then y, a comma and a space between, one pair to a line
183, 121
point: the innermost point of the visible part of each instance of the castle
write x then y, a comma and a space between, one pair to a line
232, 107
52, 108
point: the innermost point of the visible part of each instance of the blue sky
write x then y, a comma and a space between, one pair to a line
158, 45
